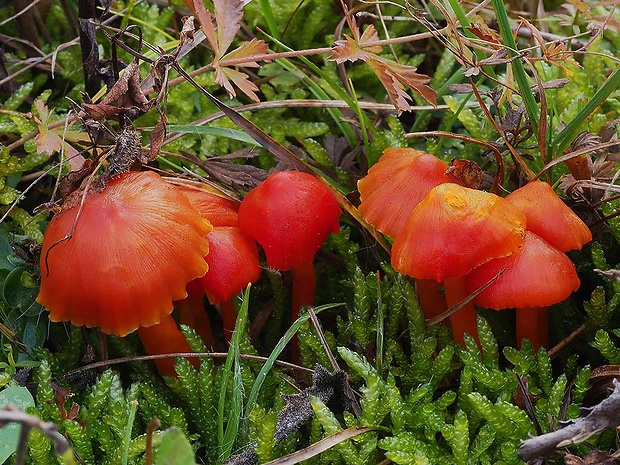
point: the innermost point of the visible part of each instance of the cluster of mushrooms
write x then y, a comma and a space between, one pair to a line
123, 253
466, 239
118, 256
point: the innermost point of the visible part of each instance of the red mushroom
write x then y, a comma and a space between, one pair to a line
453, 230
391, 190
290, 215
536, 275
233, 257
553, 221
129, 254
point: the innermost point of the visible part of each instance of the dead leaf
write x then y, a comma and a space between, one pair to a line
158, 135
228, 19
467, 171
352, 49
393, 75
226, 76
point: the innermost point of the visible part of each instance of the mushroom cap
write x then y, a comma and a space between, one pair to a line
137, 243
290, 215
396, 184
217, 209
549, 217
455, 229
233, 263
536, 275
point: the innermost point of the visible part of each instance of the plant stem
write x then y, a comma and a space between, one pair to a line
431, 299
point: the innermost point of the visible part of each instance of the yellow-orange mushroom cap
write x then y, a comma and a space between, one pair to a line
137, 242
455, 229
549, 217
396, 184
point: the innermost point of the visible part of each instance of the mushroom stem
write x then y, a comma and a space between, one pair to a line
165, 338
304, 295
228, 313
304, 287
192, 313
464, 320
533, 324
431, 299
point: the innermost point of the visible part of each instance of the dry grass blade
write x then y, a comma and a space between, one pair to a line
321, 446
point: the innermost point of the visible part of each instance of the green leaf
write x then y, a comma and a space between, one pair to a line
234, 134
174, 449
9, 435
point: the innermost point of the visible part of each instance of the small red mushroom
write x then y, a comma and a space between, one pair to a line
290, 215
453, 230
129, 254
536, 276
233, 257
553, 221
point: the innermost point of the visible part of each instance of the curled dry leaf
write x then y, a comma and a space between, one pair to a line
124, 95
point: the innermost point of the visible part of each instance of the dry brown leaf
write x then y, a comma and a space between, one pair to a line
393, 75
228, 19
158, 135
352, 49
224, 76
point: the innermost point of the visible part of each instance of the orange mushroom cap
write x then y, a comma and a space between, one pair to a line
536, 275
290, 215
137, 243
455, 229
396, 184
549, 217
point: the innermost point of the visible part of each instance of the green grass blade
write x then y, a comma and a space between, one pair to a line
277, 350
269, 18
232, 367
234, 134
519, 71
561, 141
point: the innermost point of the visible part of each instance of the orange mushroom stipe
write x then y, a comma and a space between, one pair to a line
453, 230
290, 215
536, 275
233, 257
165, 338
391, 190
120, 260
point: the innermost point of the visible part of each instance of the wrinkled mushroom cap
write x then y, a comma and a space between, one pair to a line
136, 244
455, 229
396, 184
290, 215
549, 217
536, 275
